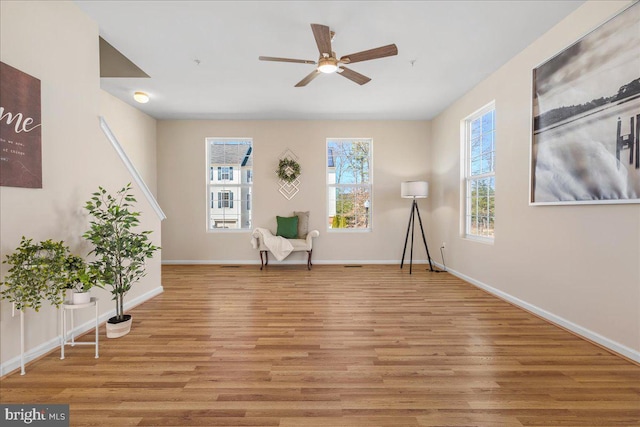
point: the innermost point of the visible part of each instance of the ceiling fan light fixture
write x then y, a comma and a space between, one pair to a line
327, 65
141, 97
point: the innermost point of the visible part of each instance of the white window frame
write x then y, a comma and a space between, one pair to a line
468, 178
231, 183
368, 186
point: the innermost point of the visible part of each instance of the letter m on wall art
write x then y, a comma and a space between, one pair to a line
20, 129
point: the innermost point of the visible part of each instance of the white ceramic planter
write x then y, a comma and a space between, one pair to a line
117, 330
81, 297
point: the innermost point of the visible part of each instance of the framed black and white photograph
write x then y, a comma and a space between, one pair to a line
585, 145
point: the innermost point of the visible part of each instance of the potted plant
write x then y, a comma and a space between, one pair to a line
120, 250
37, 273
80, 278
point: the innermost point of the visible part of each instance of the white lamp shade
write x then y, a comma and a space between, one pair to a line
414, 189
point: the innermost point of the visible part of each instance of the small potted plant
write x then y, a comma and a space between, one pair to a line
120, 250
80, 278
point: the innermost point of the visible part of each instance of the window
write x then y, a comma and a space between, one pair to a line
225, 199
349, 183
225, 173
480, 182
229, 186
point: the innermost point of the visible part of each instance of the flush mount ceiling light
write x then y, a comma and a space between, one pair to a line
141, 97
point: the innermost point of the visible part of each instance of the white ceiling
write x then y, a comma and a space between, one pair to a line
445, 48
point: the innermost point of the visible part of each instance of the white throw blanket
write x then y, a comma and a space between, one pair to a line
277, 245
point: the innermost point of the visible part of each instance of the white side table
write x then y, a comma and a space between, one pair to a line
72, 308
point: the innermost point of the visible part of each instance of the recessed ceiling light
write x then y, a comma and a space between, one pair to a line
141, 97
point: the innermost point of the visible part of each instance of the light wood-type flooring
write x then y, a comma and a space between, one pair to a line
335, 346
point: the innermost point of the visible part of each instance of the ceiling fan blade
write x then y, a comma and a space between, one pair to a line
298, 61
307, 79
353, 76
323, 38
366, 55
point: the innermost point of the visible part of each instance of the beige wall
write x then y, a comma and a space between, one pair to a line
56, 43
579, 264
400, 152
136, 133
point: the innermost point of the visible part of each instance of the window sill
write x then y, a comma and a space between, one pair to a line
479, 239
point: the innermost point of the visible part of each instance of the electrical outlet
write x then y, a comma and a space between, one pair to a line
443, 245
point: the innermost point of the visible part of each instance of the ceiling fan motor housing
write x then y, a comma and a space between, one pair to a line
327, 65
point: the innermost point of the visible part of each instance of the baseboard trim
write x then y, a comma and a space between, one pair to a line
35, 353
209, 262
604, 342
301, 262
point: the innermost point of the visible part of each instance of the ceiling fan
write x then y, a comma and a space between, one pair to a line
328, 62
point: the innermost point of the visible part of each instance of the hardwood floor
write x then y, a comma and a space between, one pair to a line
335, 346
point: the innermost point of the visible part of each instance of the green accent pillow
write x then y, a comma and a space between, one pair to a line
287, 227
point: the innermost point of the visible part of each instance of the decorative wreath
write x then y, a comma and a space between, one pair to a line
288, 170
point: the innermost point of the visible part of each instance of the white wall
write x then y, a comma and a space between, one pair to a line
578, 265
56, 43
400, 152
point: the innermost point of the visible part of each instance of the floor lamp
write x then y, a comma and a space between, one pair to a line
414, 190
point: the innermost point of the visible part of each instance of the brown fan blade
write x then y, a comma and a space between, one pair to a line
307, 79
366, 55
323, 38
298, 61
354, 76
